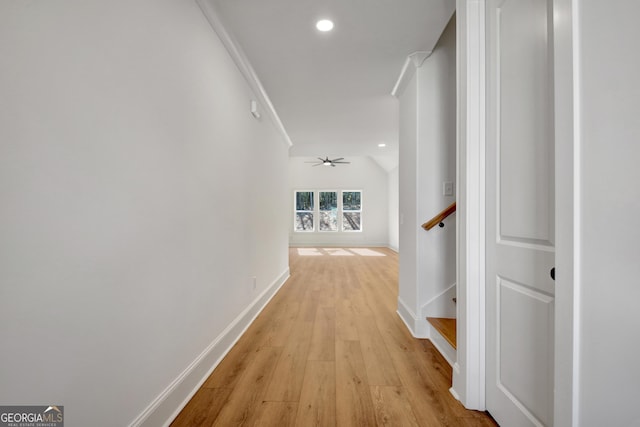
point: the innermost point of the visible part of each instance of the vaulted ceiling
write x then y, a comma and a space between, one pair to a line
332, 91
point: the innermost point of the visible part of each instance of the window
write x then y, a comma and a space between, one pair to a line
351, 210
304, 211
336, 211
328, 211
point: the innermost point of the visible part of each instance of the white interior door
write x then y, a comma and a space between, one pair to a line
520, 212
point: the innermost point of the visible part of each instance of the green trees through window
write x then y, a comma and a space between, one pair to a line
328, 211
335, 210
351, 210
304, 211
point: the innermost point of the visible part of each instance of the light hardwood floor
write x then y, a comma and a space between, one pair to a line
330, 350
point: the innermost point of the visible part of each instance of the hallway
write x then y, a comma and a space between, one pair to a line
329, 349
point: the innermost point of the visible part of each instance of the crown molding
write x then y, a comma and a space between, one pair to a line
241, 60
416, 59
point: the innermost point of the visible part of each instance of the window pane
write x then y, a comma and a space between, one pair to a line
351, 201
328, 200
304, 200
304, 221
329, 220
351, 221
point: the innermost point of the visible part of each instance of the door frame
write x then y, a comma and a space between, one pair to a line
469, 369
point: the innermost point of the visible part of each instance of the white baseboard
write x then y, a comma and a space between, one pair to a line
455, 384
454, 394
406, 314
164, 408
445, 349
418, 327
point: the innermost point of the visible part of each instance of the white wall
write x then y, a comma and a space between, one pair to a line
361, 174
427, 159
437, 163
608, 213
138, 198
393, 197
408, 220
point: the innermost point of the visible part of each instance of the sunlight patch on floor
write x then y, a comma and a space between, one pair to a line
366, 252
309, 252
338, 252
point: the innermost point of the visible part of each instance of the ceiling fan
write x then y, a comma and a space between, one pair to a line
327, 162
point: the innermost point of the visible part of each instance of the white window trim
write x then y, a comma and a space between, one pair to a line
342, 211
316, 210
339, 208
295, 211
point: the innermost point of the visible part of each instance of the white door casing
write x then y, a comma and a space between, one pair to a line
520, 233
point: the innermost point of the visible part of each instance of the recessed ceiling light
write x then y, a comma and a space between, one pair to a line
382, 145
324, 25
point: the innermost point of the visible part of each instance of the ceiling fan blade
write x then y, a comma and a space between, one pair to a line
317, 164
327, 162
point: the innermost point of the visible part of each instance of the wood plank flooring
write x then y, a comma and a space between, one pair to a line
330, 350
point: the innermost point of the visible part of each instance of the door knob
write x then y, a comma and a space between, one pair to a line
553, 273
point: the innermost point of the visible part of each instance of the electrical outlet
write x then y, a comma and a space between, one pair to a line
255, 283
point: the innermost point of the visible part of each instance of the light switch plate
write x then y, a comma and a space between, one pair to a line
447, 188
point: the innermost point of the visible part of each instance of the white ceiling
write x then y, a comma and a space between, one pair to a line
332, 90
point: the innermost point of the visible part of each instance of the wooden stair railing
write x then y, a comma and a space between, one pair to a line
445, 326
439, 217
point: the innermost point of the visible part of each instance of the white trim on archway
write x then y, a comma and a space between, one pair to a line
469, 369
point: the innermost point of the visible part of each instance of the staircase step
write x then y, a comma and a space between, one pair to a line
446, 327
